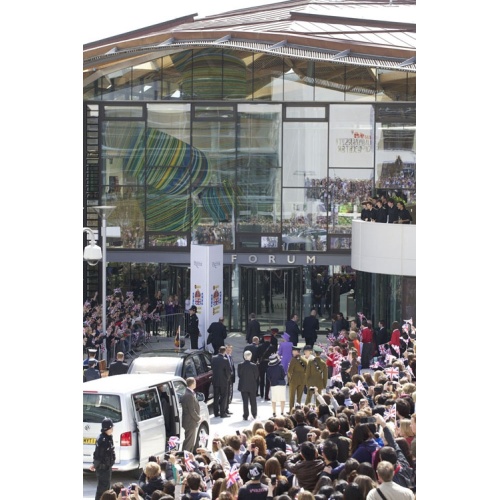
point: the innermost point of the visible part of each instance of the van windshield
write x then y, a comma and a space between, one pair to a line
96, 407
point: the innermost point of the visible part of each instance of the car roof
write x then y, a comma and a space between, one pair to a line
128, 382
171, 353
155, 364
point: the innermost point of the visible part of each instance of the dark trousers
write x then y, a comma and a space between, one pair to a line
366, 354
220, 400
263, 380
249, 397
194, 340
103, 482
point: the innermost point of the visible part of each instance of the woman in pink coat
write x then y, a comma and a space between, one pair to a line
285, 351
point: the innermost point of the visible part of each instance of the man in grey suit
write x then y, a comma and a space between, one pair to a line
190, 415
248, 380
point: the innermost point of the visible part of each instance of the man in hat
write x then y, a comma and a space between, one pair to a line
253, 488
193, 330
316, 374
92, 372
264, 350
104, 458
296, 377
276, 376
91, 354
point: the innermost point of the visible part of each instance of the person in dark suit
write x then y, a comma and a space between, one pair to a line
292, 328
91, 373
248, 380
392, 211
118, 367
221, 374
253, 328
190, 415
264, 350
310, 327
217, 333
382, 336
380, 211
403, 214
232, 379
252, 347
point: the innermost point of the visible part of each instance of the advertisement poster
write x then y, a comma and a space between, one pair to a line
206, 291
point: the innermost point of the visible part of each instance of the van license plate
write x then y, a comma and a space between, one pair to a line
89, 440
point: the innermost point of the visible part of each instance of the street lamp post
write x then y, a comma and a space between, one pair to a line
103, 211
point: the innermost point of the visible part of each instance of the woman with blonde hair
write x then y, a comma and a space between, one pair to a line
405, 430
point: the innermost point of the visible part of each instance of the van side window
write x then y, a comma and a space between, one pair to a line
147, 404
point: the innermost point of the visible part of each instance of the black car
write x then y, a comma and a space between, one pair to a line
190, 363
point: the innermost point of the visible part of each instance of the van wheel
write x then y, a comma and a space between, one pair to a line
203, 429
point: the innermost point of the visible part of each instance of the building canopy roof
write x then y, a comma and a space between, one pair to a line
375, 33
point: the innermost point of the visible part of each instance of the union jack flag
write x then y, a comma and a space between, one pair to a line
234, 475
390, 413
405, 327
396, 348
331, 338
173, 441
409, 321
410, 371
188, 462
361, 316
392, 372
288, 449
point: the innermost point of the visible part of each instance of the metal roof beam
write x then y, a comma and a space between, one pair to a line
170, 41
223, 39
340, 55
278, 45
408, 62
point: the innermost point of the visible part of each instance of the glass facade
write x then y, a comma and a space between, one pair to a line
258, 153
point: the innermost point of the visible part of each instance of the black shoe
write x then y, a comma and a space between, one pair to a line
216, 415
229, 412
245, 418
225, 415
267, 399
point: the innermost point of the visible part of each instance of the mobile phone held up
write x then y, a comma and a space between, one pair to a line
124, 493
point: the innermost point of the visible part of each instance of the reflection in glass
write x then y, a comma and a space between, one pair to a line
396, 162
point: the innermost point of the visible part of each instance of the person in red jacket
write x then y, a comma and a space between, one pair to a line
395, 342
367, 341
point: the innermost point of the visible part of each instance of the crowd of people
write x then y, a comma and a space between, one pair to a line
348, 430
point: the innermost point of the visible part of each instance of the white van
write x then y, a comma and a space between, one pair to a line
146, 412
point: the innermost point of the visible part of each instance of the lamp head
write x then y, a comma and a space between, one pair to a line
92, 254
